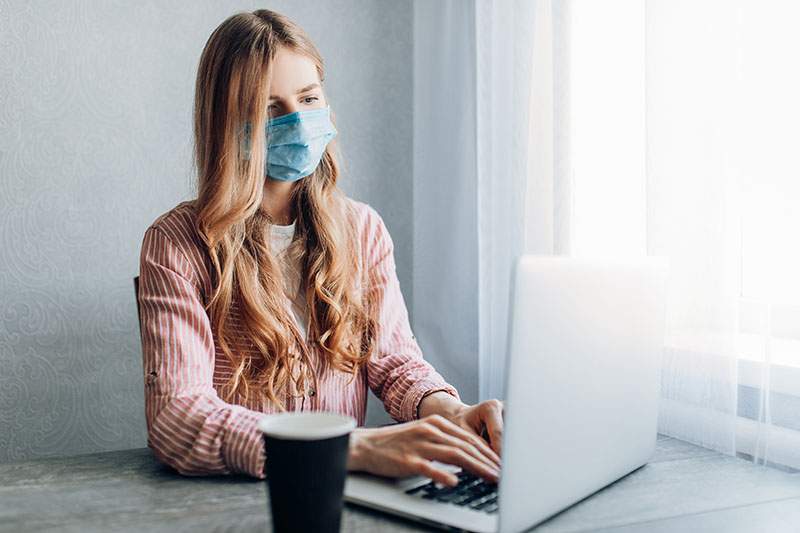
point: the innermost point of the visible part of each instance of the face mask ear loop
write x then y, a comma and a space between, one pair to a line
244, 141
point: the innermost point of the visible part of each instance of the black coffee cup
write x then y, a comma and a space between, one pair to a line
306, 469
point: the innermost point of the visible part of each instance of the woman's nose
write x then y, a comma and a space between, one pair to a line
289, 108
278, 110
285, 108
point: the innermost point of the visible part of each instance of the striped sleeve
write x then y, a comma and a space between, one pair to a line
189, 427
397, 372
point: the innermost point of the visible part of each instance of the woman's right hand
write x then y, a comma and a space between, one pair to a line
406, 449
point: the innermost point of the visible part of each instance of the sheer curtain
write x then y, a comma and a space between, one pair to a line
722, 115
520, 200
693, 210
667, 128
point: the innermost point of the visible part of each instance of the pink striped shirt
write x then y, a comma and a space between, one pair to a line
189, 426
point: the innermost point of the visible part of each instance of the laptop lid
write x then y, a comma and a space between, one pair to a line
582, 379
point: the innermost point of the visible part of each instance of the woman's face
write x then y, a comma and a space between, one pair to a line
295, 84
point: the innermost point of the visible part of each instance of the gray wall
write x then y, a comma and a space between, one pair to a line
95, 142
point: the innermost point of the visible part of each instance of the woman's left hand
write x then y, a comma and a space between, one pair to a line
488, 416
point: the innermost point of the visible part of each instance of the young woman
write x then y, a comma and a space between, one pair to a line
273, 291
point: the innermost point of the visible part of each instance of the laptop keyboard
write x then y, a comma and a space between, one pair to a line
471, 491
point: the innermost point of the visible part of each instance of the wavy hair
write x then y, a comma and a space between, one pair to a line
233, 81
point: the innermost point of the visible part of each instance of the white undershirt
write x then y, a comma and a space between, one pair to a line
281, 237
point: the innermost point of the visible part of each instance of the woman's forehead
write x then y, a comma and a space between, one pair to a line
292, 73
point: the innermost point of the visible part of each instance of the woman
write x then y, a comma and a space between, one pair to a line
273, 291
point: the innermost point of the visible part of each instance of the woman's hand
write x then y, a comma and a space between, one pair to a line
486, 416
406, 449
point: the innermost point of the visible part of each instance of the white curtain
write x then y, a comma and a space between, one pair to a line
722, 116
518, 195
444, 312
659, 127
693, 214
596, 127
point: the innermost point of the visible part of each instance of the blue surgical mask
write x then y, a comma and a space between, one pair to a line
295, 143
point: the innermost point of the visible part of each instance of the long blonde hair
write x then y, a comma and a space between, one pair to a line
233, 81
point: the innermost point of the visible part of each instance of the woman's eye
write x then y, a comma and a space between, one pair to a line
312, 98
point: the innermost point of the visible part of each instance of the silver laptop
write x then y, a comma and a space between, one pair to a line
581, 403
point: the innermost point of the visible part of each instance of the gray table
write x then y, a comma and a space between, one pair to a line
684, 488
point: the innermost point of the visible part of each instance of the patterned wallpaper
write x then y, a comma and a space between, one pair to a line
95, 142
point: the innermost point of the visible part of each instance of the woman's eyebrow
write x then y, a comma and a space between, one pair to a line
304, 89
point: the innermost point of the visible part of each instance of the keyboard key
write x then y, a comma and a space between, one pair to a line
480, 502
486, 501
470, 499
414, 490
448, 496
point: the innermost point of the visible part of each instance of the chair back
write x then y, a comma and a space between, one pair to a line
136, 297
